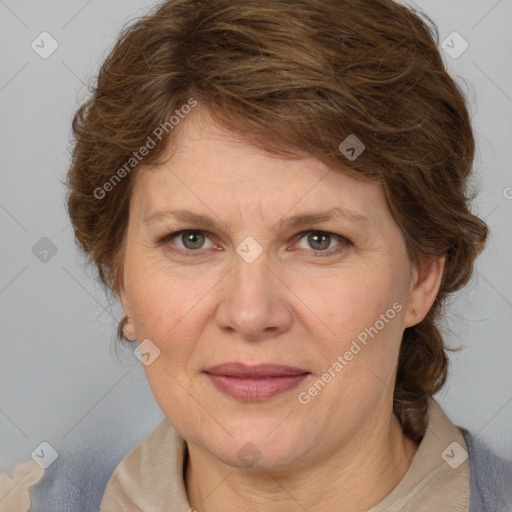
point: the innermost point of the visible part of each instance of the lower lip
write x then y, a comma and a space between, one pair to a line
255, 390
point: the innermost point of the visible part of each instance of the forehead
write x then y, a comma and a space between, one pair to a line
213, 168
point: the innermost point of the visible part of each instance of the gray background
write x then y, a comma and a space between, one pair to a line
61, 380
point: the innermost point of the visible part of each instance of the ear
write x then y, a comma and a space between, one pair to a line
129, 326
425, 284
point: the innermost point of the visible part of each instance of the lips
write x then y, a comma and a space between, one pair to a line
255, 383
254, 372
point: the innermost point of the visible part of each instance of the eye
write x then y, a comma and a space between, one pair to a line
321, 241
191, 241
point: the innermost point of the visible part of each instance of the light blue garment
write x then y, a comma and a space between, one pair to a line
78, 482
490, 478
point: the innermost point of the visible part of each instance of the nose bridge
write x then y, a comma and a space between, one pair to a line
252, 304
251, 278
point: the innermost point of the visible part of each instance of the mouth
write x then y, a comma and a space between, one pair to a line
255, 383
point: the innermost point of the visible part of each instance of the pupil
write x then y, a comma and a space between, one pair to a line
314, 238
193, 239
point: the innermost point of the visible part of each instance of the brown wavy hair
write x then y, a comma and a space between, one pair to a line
295, 77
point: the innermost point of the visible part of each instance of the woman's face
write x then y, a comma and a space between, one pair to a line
257, 283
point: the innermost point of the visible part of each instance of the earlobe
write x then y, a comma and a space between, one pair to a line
426, 284
129, 329
127, 324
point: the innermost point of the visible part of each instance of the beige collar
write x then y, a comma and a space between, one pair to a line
438, 478
150, 477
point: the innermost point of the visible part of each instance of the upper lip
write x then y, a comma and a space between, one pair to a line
254, 371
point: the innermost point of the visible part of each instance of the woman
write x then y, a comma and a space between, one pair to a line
277, 193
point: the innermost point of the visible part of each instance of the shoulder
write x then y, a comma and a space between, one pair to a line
78, 478
490, 477
76, 482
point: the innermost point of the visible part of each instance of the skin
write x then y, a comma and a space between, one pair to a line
293, 305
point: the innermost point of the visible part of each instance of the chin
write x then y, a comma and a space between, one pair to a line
259, 445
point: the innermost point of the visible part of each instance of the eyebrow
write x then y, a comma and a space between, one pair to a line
285, 223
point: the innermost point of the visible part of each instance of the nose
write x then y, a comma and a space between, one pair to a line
254, 302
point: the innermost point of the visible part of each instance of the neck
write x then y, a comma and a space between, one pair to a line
359, 477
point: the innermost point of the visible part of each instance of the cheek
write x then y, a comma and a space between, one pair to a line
361, 314
353, 301
167, 308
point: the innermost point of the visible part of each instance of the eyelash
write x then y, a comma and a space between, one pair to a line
199, 252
